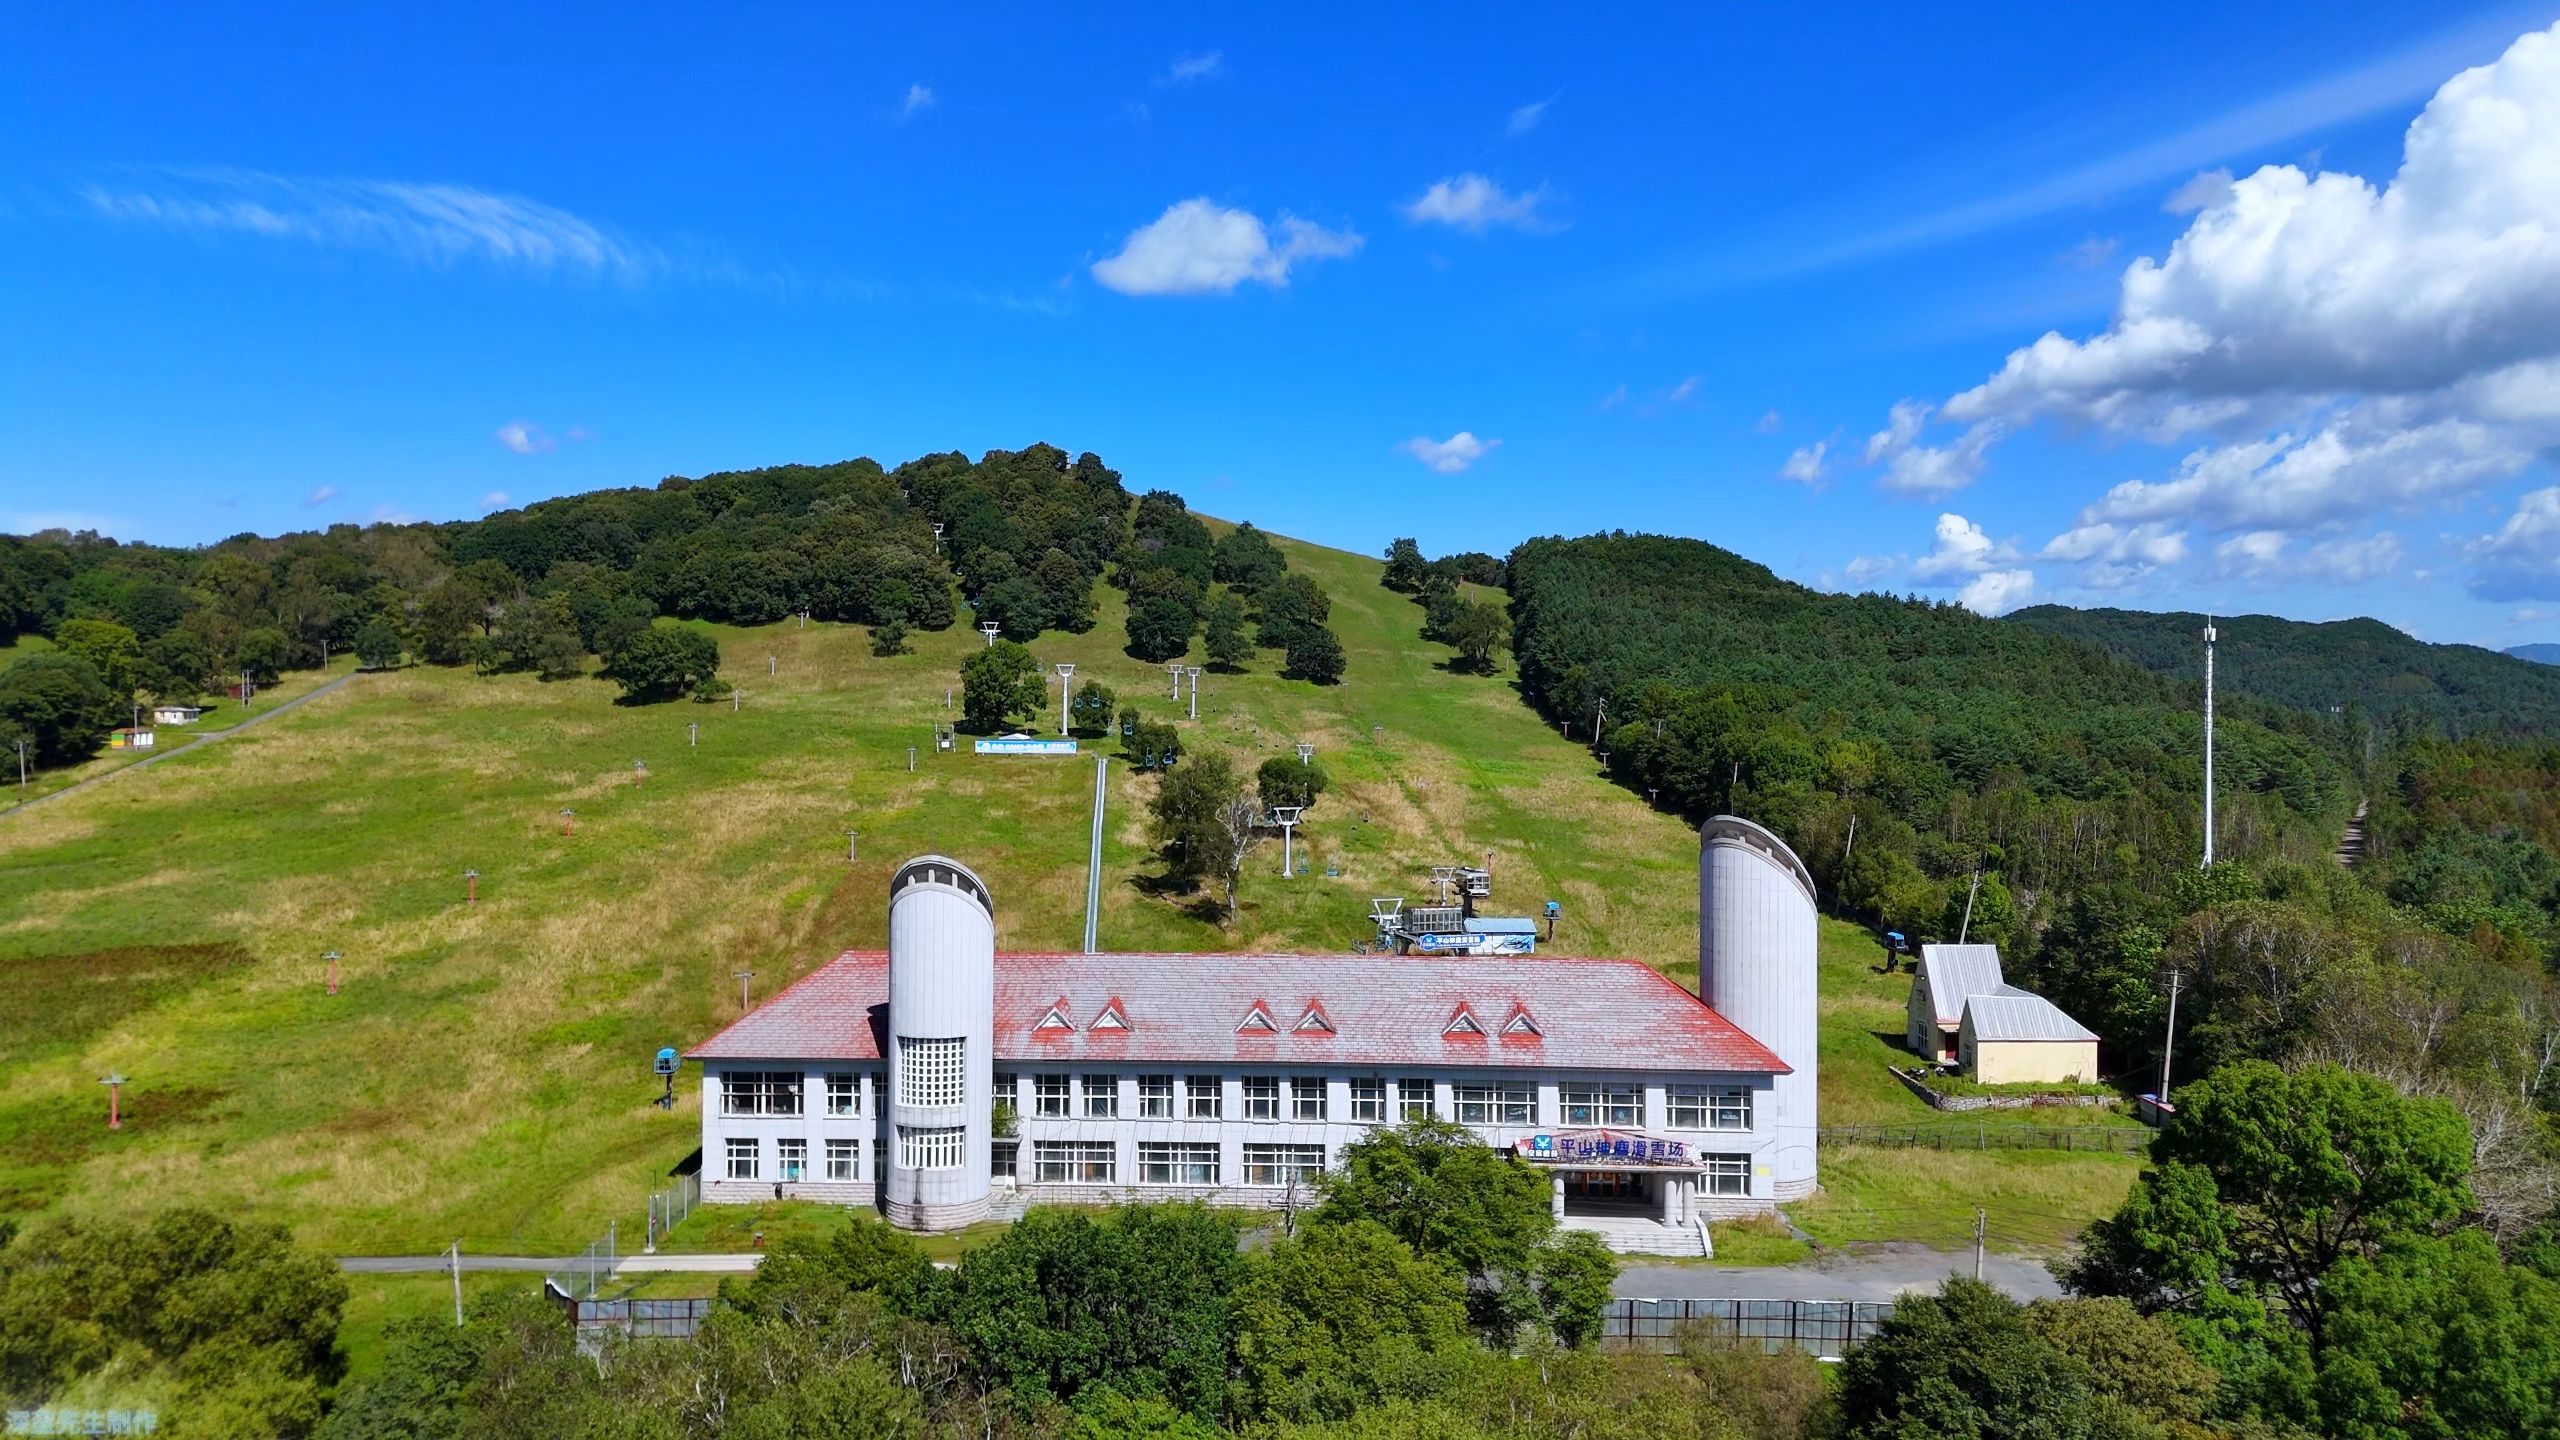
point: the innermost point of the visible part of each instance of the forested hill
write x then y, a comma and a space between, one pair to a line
2539, 654
1948, 736
2355, 665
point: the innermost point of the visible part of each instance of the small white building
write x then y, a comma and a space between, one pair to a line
177, 714
1963, 1012
884, 1079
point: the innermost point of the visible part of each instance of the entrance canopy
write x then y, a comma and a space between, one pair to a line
1606, 1150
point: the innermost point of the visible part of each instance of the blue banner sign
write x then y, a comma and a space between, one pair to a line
1025, 745
1598, 1145
51, 1421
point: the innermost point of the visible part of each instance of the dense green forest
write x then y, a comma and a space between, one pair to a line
1020, 535
1944, 774
2363, 673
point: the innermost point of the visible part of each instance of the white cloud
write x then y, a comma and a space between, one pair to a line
1962, 549
431, 223
2521, 561
2210, 187
2271, 557
1206, 65
495, 500
320, 495
1989, 578
1451, 455
1869, 567
1680, 394
1473, 203
1997, 592
1526, 118
1807, 466
524, 438
2110, 555
1926, 471
1768, 423
1902, 426
2092, 252
920, 98
1198, 247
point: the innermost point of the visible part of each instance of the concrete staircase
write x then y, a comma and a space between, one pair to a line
1636, 1235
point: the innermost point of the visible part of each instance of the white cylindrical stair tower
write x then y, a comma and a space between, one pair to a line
941, 1045
1756, 968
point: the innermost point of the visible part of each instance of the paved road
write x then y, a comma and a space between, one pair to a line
1880, 1274
540, 1264
259, 718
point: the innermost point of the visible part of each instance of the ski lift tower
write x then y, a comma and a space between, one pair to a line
1287, 817
989, 628
1066, 673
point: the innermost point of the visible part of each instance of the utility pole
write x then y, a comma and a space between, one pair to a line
743, 976
1598, 718
22, 772
1853, 837
735, 695
1066, 674
1093, 859
2208, 742
1978, 1228
693, 734
115, 1084
2169, 1037
1976, 888
773, 665
853, 838
332, 958
568, 822
457, 1284
471, 887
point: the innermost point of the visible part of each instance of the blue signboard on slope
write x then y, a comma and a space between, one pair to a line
1025, 745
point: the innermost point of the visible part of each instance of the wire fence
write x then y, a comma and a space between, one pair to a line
1823, 1328
2104, 1139
586, 1276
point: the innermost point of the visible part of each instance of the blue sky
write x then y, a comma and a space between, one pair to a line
1345, 275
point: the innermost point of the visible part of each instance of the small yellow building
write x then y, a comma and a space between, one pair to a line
2019, 1038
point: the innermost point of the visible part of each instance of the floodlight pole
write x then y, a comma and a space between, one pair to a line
1286, 817
1598, 718
852, 843
457, 1284
1066, 673
568, 822
22, 772
1970, 891
693, 734
743, 977
1194, 672
1175, 670
773, 665
2169, 1037
735, 695
115, 1084
989, 628
639, 772
1093, 858
1306, 753
332, 957
471, 887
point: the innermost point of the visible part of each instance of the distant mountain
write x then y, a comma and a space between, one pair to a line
2539, 654
2458, 689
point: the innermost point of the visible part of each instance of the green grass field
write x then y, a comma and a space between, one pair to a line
484, 1072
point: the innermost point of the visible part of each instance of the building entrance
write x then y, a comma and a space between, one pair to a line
1609, 1192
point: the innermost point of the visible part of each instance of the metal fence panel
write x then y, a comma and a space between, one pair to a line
1827, 1328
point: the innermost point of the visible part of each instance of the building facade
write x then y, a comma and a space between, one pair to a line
941, 1080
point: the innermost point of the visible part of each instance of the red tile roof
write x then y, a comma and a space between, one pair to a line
1385, 1011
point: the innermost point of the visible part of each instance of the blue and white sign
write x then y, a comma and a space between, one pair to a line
1603, 1145
1025, 745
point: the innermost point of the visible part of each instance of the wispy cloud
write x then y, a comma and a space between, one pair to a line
495, 500
319, 497
1527, 117
1473, 203
1198, 247
1769, 423
432, 223
1451, 455
920, 98
1185, 69
525, 438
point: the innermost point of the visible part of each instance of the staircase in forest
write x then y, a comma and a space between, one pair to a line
2350, 851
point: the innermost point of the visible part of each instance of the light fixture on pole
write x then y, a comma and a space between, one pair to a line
1194, 672
1306, 753
568, 821
852, 846
773, 665
471, 887
115, 1084
1287, 817
1066, 673
693, 733
1175, 670
989, 628
332, 957
639, 772
742, 977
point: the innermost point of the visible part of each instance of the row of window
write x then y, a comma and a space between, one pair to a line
932, 1077
1097, 1162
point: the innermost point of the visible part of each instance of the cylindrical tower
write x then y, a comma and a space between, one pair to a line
942, 1012
1756, 968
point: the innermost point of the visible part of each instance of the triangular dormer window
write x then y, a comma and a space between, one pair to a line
1257, 1020
1520, 1023
1111, 1018
1056, 1019
1462, 1021
1314, 1020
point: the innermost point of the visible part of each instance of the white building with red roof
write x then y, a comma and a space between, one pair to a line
943, 1082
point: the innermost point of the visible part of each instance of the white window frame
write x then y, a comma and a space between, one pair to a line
1518, 1101
747, 1149
840, 1160
761, 1092
844, 1093
1274, 1166
1601, 1102
1155, 1097
1262, 1097
1369, 1100
1074, 1162
1004, 1159
933, 1072
791, 1160
1101, 1096
1049, 1094
1709, 1107
1005, 1088
1306, 1097
1725, 1175
1204, 1097
1416, 1097
1177, 1162
1475, 1104
932, 1147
